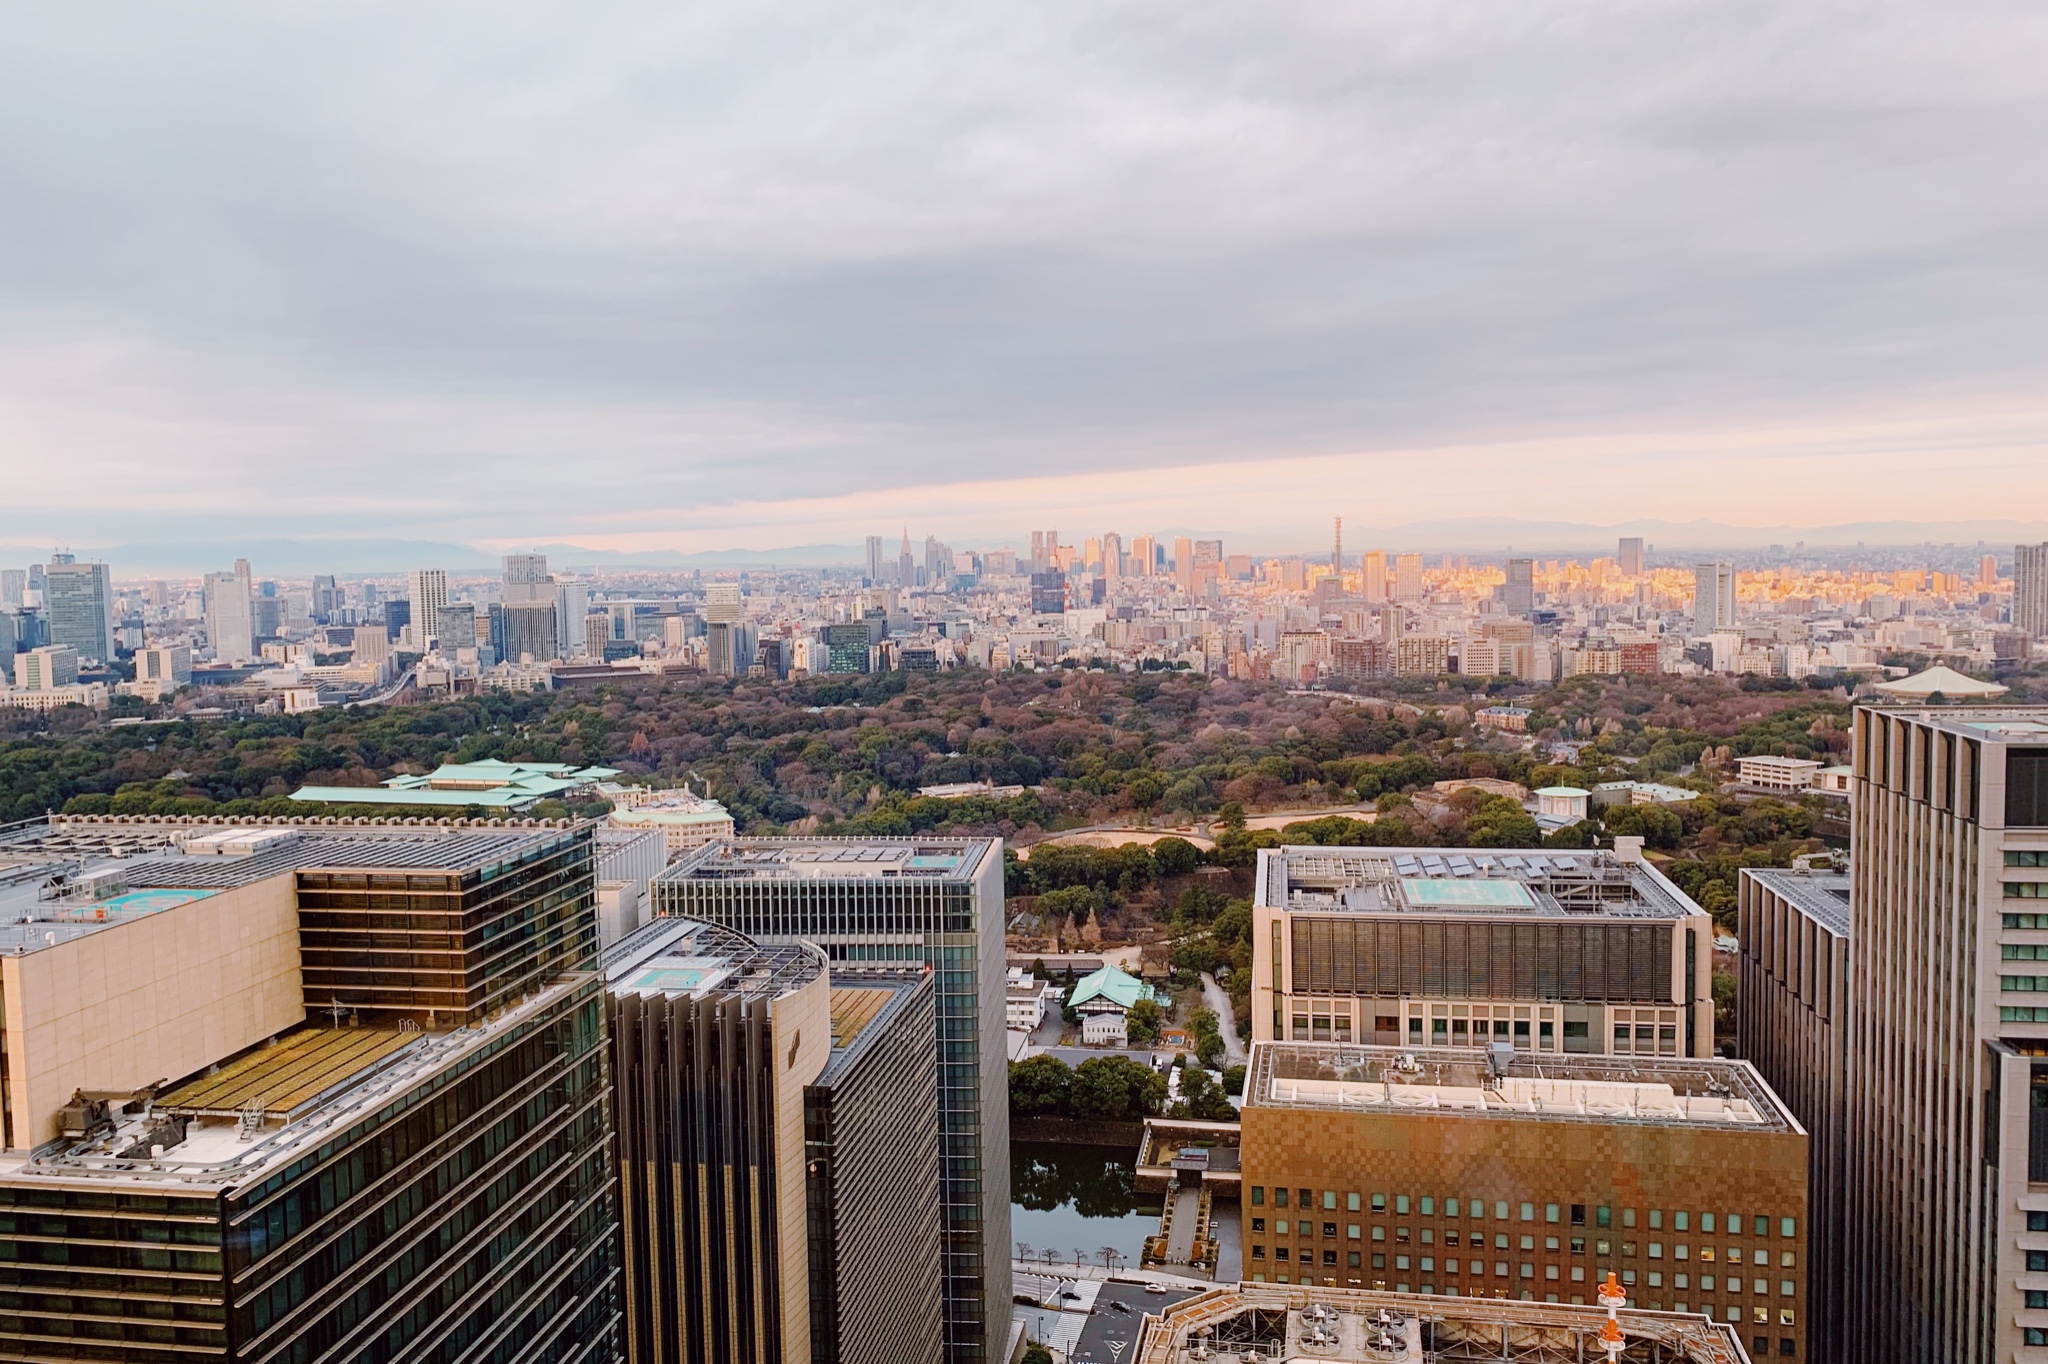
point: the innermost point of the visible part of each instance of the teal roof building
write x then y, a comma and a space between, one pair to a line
490, 783
1117, 987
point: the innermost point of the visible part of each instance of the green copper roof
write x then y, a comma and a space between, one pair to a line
490, 783
1120, 988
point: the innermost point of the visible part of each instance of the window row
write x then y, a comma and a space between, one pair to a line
2016, 858
1503, 1211
1576, 1245
1733, 1285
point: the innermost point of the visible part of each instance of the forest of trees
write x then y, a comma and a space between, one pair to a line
851, 753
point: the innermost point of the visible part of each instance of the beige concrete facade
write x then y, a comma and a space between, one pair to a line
802, 1024
155, 999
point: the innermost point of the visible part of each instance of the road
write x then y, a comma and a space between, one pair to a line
1111, 1335
379, 698
1218, 1000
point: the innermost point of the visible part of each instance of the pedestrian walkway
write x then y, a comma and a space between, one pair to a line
1187, 1217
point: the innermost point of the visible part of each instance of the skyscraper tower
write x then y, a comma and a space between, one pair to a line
428, 590
1372, 567
527, 578
906, 567
79, 600
1948, 1077
1337, 549
874, 559
2030, 589
1519, 596
890, 903
1632, 556
1713, 604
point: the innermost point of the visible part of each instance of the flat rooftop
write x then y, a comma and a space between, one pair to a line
1467, 881
777, 859
268, 1107
1822, 896
73, 876
691, 958
864, 1010
1354, 1326
1665, 1092
1991, 724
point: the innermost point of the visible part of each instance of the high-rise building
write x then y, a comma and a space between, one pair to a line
728, 648
1372, 567
427, 590
1495, 1175
1556, 954
1631, 556
323, 602
572, 605
1408, 577
526, 578
1048, 593
877, 565
1184, 563
723, 603
1112, 556
849, 647
529, 631
13, 589
2030, 590
1518, 598
78, 599
1946, 1142
229, 625
796, 1216
1713, 601
1337, 549
1792, 1024
456, 627
933, 903
364, 1129
906, 567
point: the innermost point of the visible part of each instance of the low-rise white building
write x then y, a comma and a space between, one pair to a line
1027, 999
689, 822
1776, 774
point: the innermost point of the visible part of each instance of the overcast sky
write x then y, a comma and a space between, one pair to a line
718, 274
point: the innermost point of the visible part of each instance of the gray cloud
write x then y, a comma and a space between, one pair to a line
457, 270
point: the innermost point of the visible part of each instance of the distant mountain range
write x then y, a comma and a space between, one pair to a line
367, 555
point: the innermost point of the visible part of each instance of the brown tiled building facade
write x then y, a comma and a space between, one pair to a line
1364, 1189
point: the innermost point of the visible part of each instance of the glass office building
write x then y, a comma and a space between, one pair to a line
423, 1173
889, 903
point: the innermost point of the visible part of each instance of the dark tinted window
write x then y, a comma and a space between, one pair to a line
2026, 788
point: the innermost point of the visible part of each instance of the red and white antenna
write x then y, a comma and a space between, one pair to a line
1613, 1299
